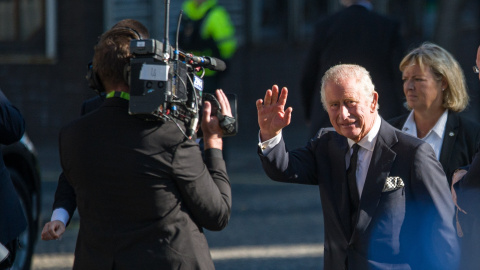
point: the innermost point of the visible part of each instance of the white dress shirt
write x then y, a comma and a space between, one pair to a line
365, 152
434, 136
61, 215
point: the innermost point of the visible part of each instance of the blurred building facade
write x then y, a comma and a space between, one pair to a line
45, 45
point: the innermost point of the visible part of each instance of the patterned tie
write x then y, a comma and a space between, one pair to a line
352, 184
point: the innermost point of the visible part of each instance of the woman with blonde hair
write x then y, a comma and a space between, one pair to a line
436, 92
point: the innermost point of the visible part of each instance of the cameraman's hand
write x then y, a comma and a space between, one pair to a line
53, 230
212, 132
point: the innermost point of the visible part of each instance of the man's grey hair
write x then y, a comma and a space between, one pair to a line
342, 72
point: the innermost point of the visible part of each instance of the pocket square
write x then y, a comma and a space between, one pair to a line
393, 183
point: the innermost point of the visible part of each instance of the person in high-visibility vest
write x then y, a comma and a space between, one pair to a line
207, 30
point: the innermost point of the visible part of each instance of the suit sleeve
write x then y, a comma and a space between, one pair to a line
12, 124
65, 197
434, 212
296, 166
204, 185
468, 189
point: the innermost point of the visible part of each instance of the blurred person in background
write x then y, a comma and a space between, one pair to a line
207, 30
12, 217
466, 195
354, 35
436, 92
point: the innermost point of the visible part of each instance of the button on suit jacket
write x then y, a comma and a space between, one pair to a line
406, 228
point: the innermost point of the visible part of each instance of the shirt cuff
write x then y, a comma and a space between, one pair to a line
61, 215
268, 145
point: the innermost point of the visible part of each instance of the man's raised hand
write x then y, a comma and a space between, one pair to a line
272, 116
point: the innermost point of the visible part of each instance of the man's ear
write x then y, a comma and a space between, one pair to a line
374, 104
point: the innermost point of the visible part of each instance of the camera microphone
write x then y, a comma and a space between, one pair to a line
209, 62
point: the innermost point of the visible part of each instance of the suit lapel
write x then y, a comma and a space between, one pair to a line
451, 131
378, 171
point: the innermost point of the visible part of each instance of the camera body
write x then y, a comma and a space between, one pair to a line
158, 84
167, 88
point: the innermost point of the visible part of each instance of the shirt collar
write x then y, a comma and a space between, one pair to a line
410, 126
368, 142
439, 127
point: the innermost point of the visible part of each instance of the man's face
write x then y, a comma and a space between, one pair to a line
351, 112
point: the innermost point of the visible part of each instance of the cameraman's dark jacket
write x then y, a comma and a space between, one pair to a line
143, 192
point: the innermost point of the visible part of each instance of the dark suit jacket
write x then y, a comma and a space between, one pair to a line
407, 228
354, 35
468, 189
460, 143
12, 218
143, 192
468, 198
65, 194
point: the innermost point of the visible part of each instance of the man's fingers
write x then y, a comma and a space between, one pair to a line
274, 94
268, 98
207, 110
283, 96
53, 230
259, 104
275, 97
48, 232
224, 103
288, 115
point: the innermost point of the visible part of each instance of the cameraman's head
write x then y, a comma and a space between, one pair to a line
135, 26
112, 53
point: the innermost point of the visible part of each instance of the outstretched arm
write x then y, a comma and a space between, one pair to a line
272, 116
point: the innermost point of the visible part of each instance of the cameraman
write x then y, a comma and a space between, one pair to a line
65, 203
143, 192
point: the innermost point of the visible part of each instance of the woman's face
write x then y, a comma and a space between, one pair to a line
422, 90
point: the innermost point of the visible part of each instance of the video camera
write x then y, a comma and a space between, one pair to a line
164, 85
